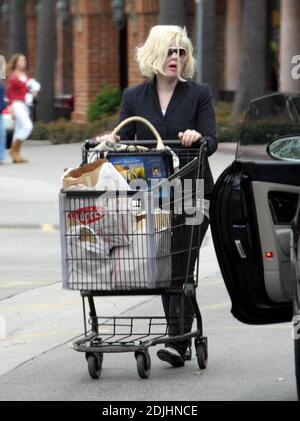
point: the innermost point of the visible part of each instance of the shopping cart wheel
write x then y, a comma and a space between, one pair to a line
95, 365
143, 361
201, 352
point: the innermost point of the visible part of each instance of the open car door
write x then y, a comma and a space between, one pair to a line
253, 205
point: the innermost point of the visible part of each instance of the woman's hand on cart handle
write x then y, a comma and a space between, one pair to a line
189, 137
107, 137
92, 143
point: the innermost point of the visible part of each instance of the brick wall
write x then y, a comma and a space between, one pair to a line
31, 35
95, 52
141, 15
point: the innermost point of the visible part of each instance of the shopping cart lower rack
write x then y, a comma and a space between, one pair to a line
131, 334
126, 244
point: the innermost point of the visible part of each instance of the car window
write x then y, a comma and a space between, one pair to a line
268, 118
287, 148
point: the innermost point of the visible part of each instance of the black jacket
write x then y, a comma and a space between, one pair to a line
189, 108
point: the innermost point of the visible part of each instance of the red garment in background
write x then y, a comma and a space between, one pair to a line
16, 89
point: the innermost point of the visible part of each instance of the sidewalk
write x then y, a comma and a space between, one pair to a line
29, 192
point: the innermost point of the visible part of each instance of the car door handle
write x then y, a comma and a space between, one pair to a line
240, 249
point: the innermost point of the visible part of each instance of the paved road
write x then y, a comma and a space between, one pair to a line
36, 361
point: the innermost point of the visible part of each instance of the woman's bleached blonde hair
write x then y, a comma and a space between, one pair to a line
152, 55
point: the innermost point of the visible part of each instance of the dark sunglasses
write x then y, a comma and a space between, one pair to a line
180, 51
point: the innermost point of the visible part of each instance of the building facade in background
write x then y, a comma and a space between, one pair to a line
96, 42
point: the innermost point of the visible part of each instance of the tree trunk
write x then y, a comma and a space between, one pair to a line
252, 75
173, 12
17, 27
46, 58
206, 44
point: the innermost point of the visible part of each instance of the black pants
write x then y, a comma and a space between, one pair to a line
172, 302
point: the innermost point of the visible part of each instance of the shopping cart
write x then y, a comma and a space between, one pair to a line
140, 259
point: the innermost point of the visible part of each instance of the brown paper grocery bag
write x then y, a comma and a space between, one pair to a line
86, 175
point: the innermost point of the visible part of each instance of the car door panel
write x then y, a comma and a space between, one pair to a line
274, 238
244, 231
295, 257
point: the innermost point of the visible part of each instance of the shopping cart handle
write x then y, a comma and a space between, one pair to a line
90, 144
177, 142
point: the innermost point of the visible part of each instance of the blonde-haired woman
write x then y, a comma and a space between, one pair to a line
19, 91
179, 108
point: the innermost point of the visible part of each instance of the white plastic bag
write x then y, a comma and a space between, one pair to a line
107, 217
89, 261
109, 179
33, 86
116, 223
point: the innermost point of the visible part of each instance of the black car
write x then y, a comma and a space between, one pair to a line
255, 217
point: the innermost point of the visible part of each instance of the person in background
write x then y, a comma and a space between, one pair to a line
179, 108
2, 128
20, 90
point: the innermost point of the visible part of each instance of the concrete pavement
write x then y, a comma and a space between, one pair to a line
29, 192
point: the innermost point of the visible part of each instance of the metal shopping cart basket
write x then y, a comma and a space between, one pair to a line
126, 243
